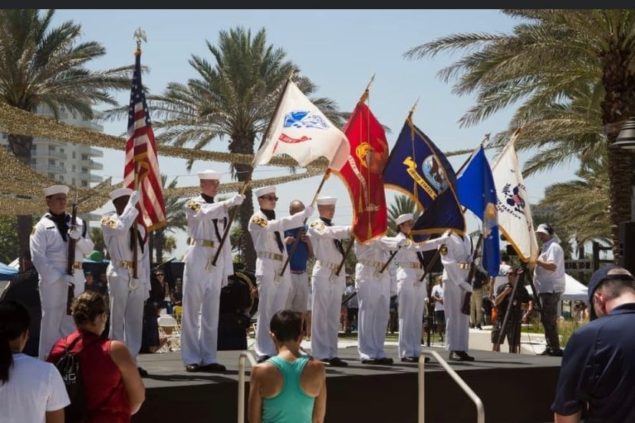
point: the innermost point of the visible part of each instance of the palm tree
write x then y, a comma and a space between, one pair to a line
580, 205
175, 217
44, 66
234, 98
548, 59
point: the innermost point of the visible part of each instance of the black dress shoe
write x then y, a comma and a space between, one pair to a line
370, 361
192, 368
337, 362
556, 353
263, 358
460, 356
409, 359
212, 367
385, 360
547, 351
142, 372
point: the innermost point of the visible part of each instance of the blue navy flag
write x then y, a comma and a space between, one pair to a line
417, 168
477, 192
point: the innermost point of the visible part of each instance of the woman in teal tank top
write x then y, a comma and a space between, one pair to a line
290, 387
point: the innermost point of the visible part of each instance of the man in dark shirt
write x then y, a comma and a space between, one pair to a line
598, 367
480, 282
501, 301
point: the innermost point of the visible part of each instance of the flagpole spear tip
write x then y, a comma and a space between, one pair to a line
364, 96
139, 35
412, 110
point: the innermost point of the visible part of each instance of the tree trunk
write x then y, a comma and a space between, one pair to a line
245, 144
21, 147
618, 105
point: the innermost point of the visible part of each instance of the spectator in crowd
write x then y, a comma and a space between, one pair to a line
162, 293
439, 309
113, 388
501, 278
90, 282
598, 367
479, 284
549, 280
580, 313
502, 302
297, 242
352, 304
30, 390
288, 387
24, 289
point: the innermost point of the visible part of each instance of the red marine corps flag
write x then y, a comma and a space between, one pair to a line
362, 172
141, 171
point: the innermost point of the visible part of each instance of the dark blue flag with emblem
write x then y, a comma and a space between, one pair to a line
417, 168
477, 192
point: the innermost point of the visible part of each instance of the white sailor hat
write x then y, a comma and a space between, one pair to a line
259, 192
208, 174
545, 228
403, 218
326, 201
56, 189
120, 192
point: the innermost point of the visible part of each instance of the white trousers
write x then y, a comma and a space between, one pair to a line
325, 318
201, 298
457, 324
374, 312
298, 298
411, 294
272, 297
126, 309
55, 322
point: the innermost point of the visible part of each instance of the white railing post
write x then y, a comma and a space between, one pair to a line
242, 366
480, 410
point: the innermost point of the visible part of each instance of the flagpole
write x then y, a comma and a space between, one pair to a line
139, 35
232, 215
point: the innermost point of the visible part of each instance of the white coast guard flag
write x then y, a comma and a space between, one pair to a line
514, 215
300, 130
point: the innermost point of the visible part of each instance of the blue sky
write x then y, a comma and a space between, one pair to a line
339, 50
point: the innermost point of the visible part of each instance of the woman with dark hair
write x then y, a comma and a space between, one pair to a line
30, 390
113, 388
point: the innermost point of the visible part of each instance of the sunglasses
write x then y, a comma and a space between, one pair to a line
270, 197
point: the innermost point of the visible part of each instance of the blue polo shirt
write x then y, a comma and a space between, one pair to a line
598, 369
298, 260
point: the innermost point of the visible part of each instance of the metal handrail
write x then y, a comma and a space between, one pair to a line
480, 410
241, 382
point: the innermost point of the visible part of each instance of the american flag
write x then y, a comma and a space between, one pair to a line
141, 157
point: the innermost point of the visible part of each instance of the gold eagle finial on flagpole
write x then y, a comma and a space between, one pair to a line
139, 35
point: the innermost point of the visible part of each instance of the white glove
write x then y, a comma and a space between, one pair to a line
74, 233
308, 211
237, 200
133, 284
134, 199
466, 286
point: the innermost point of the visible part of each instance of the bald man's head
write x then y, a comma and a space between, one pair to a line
295, 206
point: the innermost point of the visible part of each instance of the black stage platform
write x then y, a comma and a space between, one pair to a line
514, 389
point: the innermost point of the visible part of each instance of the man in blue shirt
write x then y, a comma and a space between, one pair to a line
299, 254
598, 367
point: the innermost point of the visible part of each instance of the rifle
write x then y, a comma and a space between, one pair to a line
465, 307
71, 259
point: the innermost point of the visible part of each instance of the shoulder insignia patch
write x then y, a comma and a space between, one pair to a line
109, 221
319, 226
259, 221
193, 205
443, 249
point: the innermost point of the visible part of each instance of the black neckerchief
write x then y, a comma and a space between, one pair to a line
210, 200
271, 214
132, 231
61, 221
338, 243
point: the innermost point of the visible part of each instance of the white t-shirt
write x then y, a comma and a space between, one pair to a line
548, 281
437, 291
34, 387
